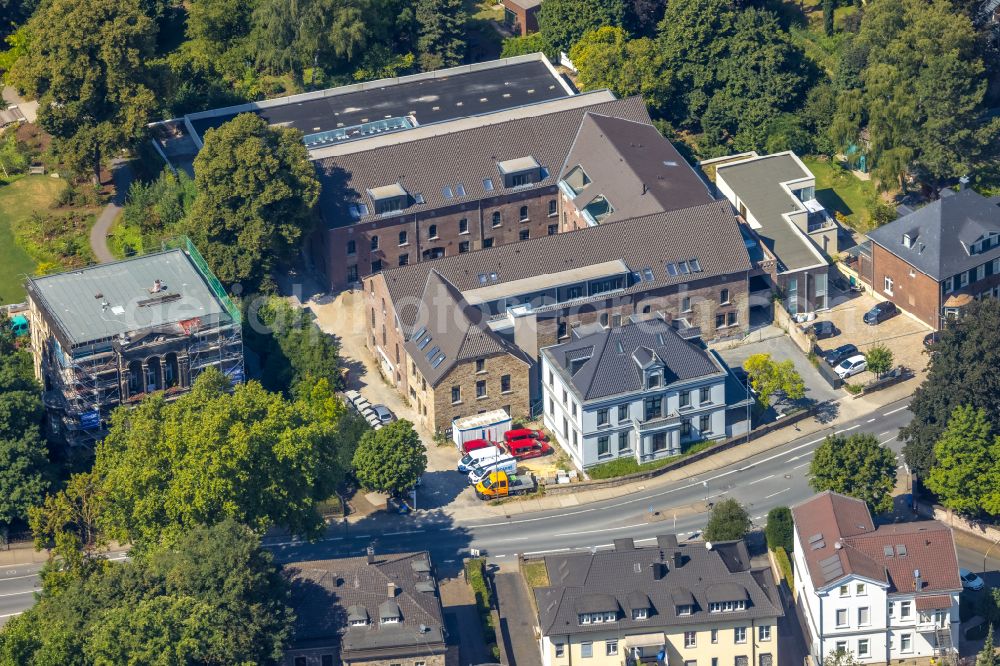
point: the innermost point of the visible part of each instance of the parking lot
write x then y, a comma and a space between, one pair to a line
902, 334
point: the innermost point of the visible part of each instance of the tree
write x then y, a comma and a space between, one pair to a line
391, 459
214, 598
441, 41
788, 132
86, 63
12, 159
728, 521
607, 58
563, 22
779, 530
922, 106
840, 658
962, 371
769, 378
643, 16
515, 46
857, 466
988, 655
214, 454
966, 471
879, 359
828, 7
256, 194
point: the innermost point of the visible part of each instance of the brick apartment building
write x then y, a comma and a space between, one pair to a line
452, 187
498, 306
936, 260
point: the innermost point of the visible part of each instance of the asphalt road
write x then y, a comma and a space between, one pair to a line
773, 478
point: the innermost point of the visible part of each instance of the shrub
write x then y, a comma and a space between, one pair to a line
475, 575
785, 566
779, 528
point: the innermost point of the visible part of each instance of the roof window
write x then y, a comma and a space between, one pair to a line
488, 184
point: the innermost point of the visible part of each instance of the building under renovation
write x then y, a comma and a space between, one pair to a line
111, 334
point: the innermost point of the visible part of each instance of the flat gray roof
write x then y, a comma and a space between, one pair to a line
757, 182
105, 301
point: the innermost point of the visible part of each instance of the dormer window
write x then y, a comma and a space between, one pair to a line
640, 613
389, 198
909, 239
519, 172
357, 616
727, 606
653, 380
684, 610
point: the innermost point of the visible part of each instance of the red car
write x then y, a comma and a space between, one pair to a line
523, 433
475, 444
528, 447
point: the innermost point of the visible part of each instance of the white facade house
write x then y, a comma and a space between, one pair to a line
887, 594
639, 390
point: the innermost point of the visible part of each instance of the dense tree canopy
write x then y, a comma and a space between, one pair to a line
256, 195
87, 65
563, 22
966, 472
213, 598
607, 58
727, 522
961, 372
855, 465
24, 456
920, 87
391, 459
211, 455
769, 378
441, 40
780, 529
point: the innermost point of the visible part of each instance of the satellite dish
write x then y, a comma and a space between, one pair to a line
708, 545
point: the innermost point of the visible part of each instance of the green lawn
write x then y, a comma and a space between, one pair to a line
18, 200
841, 191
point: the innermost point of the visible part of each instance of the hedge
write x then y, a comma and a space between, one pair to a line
785, 566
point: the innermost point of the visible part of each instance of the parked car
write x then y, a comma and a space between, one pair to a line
528, 447
823, 330
506, 464
475, 445
479, 458
384, 414
971, 581
523, 433
881, 312
851, 366
835, 356
931, 338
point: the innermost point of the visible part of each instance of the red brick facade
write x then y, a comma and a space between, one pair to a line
913, 291
332, 248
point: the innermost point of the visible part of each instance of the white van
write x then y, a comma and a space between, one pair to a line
479, 457
506, 463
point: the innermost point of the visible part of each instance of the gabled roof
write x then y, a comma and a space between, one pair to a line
466, 157
328, 594
627, 576
450, 331
839, 540
941, 234
708, 233
635, 168
613, 360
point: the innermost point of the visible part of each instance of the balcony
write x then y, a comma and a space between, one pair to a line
656, 422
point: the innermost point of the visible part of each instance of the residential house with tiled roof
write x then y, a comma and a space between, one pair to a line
937, 259
688, 266
887, 594
675, 604
367, 611
639, 390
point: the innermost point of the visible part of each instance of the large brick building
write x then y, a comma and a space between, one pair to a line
451, 187
689, 266
937, 259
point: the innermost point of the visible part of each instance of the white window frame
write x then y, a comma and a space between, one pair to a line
611, 647
764, 632
905, 610
845, 591
841, 613
866, 620
887, 285
867, 646
690, 639
739, 635
909, 640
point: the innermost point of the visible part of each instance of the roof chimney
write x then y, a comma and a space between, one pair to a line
371, 555
659, 570
917, 583
157, 287
391, 589
678, 559
963, 183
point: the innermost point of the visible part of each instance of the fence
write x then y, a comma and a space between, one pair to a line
568, 488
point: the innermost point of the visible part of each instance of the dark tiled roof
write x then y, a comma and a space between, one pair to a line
942, 232
627, 576
455, 329
426, 166
612, 367
708, 233
637, 170
325, 593
888, 554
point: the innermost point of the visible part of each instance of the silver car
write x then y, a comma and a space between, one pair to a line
851, 366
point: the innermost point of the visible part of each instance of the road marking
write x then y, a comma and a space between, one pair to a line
763, 478
542, 552
499, 556
802, 465
12, 614
883, 434
898, 409
608, 529
886, 441
17, 594
870, 421
853, 427
401, 533
18, 577
777, 493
